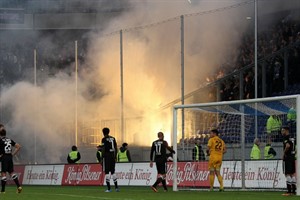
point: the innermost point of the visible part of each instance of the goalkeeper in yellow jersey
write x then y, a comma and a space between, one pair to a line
215, 149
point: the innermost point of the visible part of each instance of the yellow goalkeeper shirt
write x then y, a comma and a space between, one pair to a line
216, 146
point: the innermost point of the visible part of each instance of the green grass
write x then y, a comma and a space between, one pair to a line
130, 193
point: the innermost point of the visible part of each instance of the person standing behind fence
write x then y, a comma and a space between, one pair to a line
291, 115
289, 165
274, 124
291, 120
255, 151
124, 154
109, 153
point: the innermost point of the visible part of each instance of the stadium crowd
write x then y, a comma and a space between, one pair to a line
55, 52
283, 35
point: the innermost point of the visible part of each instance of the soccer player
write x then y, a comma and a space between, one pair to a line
109, 153
159, 155
215, 149
289, 166
6, 155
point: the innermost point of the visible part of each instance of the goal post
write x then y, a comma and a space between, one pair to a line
239, 123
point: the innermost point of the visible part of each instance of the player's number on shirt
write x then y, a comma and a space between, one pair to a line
7, 147
218, 146
111, 140
158, 148
294, 146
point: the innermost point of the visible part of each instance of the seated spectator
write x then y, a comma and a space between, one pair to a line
123, 154
269, 152
197, 152
74, 156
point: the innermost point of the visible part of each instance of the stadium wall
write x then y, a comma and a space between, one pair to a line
264, 174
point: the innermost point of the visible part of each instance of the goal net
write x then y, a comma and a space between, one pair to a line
238, 123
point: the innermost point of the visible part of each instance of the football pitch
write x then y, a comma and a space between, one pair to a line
130, 193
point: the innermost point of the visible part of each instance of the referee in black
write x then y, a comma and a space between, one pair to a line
289, 165
159, 155
109, 153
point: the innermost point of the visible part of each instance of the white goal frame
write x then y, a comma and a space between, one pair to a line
259, 100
